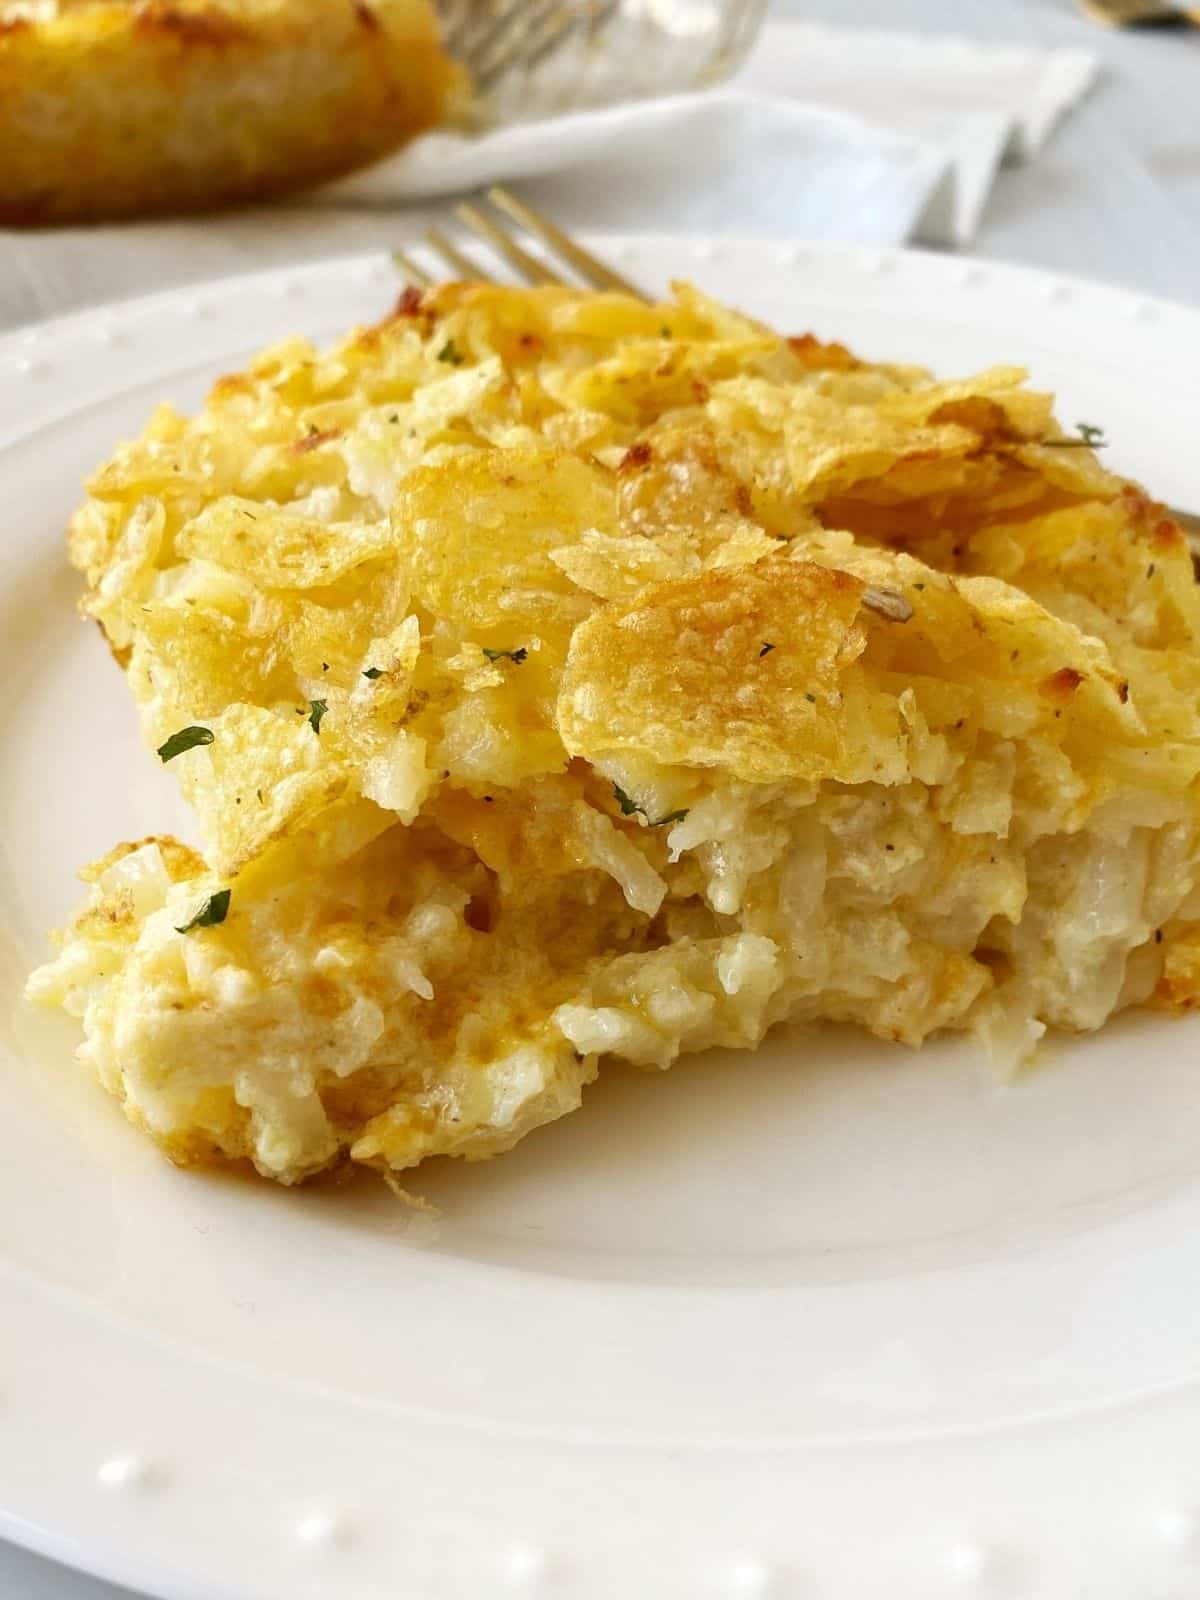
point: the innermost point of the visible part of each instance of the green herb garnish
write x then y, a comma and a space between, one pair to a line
213, 911
185, 739
451, 354
766, 649
630, 807
316, 710
511, 655
373, 673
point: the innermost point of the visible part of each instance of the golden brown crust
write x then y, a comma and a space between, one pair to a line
120, 109
180, 860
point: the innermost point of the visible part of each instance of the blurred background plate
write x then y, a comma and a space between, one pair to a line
833, 1319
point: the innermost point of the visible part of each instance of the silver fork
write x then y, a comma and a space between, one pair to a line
494, 229
529, 58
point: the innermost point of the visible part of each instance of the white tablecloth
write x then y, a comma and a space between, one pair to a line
1115, 195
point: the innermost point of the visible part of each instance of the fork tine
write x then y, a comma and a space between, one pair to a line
584, 262
602, 11
541, 27
480, 35
530, 268
460, 262
506, 36
465, 22
454, 17
414, 273
564, 20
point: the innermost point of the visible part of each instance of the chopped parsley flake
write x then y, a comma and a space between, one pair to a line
512, 655
316, 710
766, 649
185, 739
811, 698
451, 354
373, 673
1091, 437
214, 910
324, 666
629, 807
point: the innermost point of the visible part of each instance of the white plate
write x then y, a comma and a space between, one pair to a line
832, 1320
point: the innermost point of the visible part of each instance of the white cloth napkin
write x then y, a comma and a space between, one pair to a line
979, 104
826, 134
727, 162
